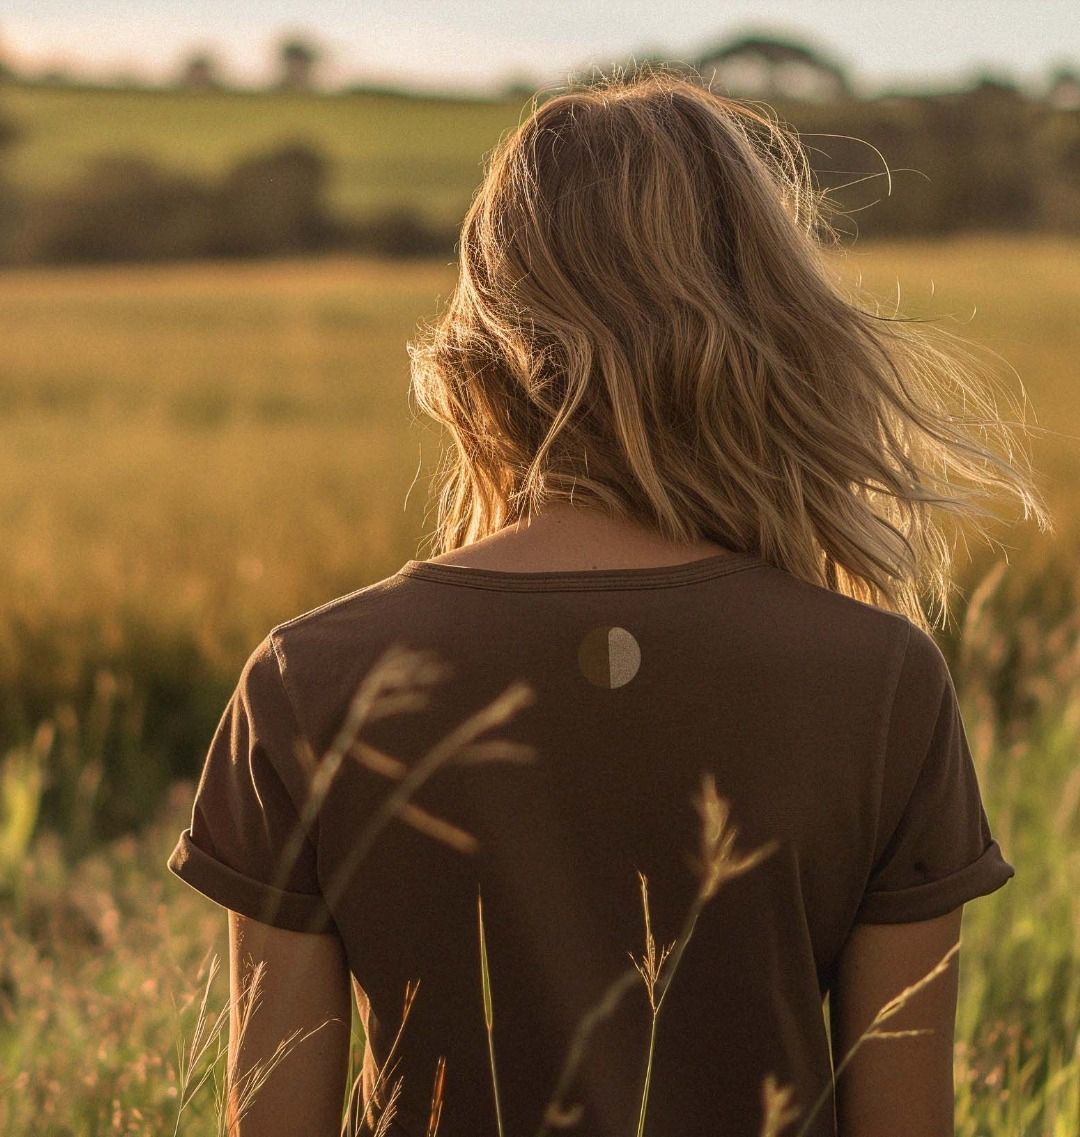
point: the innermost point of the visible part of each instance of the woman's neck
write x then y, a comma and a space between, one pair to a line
564, 538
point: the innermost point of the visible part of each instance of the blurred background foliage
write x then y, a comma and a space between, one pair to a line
200, 170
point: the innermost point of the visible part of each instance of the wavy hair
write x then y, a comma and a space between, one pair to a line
646, 322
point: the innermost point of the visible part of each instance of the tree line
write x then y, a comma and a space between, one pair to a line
990, 158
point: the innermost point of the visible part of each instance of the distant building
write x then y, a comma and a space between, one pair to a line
761, 67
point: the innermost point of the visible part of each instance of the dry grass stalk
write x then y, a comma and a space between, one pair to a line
460, 744
420, 819
231, 1109
489, 1014
391, 1108
716, 865
435, 1115
395, 684
886, 1012
776, 1105
373, 1098
198, 1048
649, 969
557, 1114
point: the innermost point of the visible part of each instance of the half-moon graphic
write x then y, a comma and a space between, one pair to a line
609, 657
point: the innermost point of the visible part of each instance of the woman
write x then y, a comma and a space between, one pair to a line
681, 539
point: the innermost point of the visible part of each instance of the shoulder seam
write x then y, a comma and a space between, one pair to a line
896, 686
937, 714
279, 667
884, 758
320, 608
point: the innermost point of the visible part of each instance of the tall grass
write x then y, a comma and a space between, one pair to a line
194, 453
90, 950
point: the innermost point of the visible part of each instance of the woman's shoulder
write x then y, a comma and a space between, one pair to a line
331, 612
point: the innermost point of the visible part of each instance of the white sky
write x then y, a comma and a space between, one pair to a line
474, 45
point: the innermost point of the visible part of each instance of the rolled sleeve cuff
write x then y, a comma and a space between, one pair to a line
294, 911
936, 897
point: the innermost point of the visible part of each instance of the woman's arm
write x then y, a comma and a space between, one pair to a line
896, 1087
305, 983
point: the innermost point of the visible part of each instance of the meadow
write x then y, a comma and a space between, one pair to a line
196, 452
385, 149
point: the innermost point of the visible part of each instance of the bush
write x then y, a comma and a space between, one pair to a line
987, 159
273, 203
399, 232
125, 208
128, 208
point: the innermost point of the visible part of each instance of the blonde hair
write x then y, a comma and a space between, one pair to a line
645, 323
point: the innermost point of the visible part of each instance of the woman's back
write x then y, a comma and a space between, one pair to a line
829, 725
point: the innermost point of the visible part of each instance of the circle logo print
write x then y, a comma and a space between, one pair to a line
609, 657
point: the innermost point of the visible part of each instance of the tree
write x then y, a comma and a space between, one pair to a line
11, 203
1063, 90
518, 85
200, 72
6, 70
297, 58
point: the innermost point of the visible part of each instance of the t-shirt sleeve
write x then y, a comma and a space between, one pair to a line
246, 847
934, 849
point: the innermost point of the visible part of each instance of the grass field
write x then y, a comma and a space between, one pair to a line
385, 149
196, 452
219, 445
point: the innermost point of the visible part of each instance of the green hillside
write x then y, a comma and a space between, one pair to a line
385, 149
987, 158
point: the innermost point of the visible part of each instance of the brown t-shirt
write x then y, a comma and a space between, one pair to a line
828, 724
